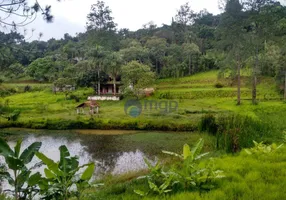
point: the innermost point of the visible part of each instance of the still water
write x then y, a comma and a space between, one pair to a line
113, 152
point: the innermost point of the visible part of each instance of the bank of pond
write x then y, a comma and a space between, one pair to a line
156, 164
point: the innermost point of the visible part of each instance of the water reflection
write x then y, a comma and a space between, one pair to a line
104, 150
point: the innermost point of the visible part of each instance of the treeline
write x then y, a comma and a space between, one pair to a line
247, 34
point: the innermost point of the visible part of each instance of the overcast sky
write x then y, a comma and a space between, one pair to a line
70, 15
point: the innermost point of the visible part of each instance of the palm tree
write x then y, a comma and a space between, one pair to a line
98, 56
113, 64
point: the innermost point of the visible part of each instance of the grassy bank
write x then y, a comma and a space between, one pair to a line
247, 177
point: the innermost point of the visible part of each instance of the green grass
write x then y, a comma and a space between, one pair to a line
195, 94
247, 177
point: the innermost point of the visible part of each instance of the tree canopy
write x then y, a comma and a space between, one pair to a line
248, 33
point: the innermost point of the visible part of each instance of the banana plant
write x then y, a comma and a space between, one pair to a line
190, 154
262, 148
159, 181
191, 175
21, 175
62, 175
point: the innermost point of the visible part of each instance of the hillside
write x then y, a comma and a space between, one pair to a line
196, 95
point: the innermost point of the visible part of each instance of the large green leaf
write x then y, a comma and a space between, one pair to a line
29, 153
74, 163
64, 161
196, 150
43, 184
49, 174
50, 163
34, 179
186, 151
141, 193
14, 163
5, 150
87, 174
17, 148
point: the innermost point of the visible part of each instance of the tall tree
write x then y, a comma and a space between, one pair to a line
261, 18
233, 38
97, 55
101, 29
190, 49
100, 18
183, 19
157, 49
281, 70
114, 62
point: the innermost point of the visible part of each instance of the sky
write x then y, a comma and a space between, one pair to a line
70, 15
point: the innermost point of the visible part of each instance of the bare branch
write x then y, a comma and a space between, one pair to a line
12, 3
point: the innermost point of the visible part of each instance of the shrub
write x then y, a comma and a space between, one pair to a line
208, 124
74, 97
219, 85
27, 88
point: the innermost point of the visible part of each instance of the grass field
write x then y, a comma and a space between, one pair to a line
196, 95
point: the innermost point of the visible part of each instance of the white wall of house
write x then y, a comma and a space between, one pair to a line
103, 98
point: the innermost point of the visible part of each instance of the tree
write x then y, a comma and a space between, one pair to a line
183, 19
16, 70
174, 62
86, 74
17, 13
281, 70
136, 52
204, 28
101, 29
70, 50
46, 69
262, 18
190, 49
233, 38
157, 48
136, 77
114, 62
8, 48
185, 15
100, 18
97, 56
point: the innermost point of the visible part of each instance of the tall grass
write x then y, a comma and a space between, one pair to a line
234, 132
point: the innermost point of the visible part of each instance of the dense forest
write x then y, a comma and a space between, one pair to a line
247, 34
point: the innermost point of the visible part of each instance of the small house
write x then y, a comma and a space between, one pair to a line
92, 105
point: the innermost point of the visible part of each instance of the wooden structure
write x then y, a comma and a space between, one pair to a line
92, 105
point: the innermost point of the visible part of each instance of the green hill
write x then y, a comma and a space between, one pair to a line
196, 95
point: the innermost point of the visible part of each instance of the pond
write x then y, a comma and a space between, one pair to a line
114, 152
